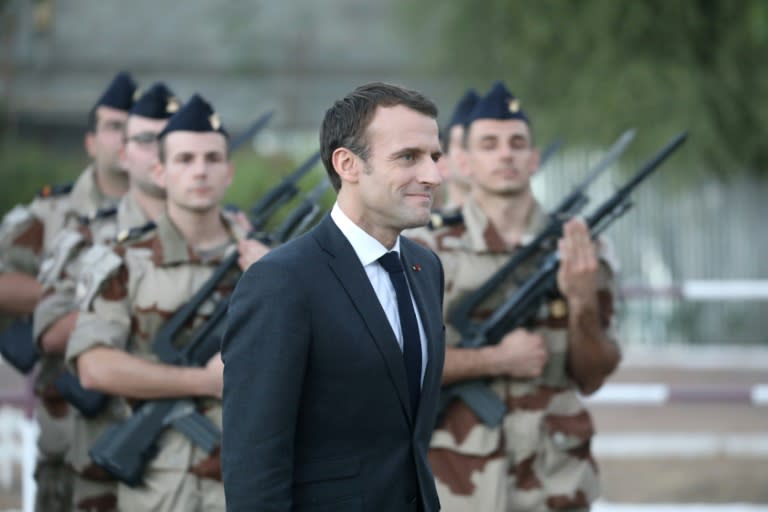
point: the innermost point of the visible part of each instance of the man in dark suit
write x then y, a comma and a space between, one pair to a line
334, 347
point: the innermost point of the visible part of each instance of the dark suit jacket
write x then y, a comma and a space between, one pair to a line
316, 407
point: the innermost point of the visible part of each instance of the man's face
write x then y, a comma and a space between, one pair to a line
196, 171
105, 143
455, 150
400, 177
500, 158
140, 152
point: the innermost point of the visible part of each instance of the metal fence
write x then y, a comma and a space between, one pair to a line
706, 230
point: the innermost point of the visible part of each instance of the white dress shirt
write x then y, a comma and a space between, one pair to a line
369, 250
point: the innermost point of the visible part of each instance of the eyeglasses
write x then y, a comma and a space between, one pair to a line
143, 138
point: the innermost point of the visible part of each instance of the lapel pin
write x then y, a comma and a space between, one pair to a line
416, 268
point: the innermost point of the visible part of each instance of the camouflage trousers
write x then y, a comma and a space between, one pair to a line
172, 491
181, 478
54, 486
52, 474
94, 491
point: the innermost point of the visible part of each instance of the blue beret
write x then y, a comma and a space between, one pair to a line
120, 93
158, 102
196, 115
463, 109
499, 103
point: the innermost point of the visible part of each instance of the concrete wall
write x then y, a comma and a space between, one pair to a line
246, 56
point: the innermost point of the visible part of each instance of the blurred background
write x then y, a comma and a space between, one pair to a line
684, 422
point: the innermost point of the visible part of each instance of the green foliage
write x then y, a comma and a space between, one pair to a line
27, 167
588, 69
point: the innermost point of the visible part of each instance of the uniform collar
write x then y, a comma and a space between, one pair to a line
483, 236
170, 248
129, 213
86, 196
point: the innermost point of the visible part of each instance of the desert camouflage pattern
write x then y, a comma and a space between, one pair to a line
85, 249
28, 233
154, 278
540, 458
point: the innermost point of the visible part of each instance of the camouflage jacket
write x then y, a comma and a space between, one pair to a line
130, 291
543, 445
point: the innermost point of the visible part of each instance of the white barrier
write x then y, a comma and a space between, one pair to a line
602, 506
654, 394
702, 290
18, 447
680, 445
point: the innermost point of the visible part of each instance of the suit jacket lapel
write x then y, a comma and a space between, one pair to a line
346, 266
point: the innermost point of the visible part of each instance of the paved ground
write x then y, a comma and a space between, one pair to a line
717, 478
708, 471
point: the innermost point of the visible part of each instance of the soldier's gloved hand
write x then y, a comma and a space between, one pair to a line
214, 376
521, 354
250, 252
577, 276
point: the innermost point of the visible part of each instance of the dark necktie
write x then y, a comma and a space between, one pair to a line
408, 324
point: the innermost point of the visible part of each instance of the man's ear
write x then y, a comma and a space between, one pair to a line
535, 160
89, 141
121, 156
230, 172
462, 162
158, 174
346, 164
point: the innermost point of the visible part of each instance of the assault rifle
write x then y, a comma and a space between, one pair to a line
570, 205
521, 308
241, 139
18, 347
281, 194
91, 403
306, 213
125, 448
550, 151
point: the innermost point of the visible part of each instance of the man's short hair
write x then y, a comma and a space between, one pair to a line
346, 122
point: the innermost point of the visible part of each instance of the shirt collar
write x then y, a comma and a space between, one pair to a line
367, 248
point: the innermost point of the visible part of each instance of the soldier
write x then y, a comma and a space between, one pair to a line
539, 459
131, 292
56, 314
456, 184
29, 232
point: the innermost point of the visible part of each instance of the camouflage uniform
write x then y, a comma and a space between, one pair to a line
29, 233
135, 290
93, 489
539, 459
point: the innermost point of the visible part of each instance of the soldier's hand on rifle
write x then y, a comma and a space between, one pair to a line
214, 376
241, 219
520, 354
577, 276
250, 252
